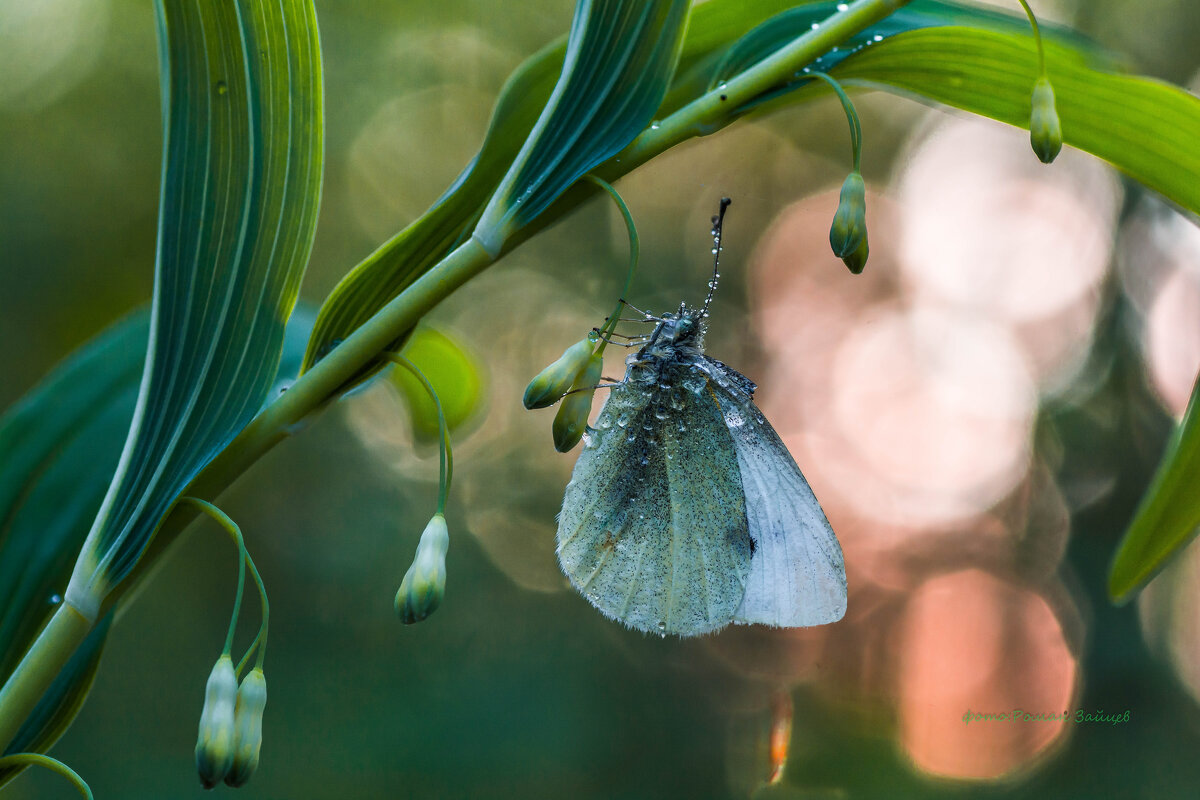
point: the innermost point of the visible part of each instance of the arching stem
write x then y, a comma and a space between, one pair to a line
446, 466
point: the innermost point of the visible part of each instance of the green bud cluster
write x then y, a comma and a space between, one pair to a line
557, 379
571, 420
848, 233
1045, 130
424, 584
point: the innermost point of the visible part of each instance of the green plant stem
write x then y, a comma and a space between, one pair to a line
635, 250
446, 465
40, 665
712, 111
39, 760
1037, 37
851, 118
322, 384
235, 533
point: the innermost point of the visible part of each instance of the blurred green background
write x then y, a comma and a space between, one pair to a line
978, 413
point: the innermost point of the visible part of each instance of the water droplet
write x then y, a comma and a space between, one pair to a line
631, 438
645, 460
660, 412
589, 441
670, 456
815, 26
662, 626
55, 599
877, 38
622, 421
842, 6
222, 87
654, 125
605, 422
734, 418
714, 251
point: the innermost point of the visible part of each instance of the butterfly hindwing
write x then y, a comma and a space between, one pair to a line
797, 575
653, 529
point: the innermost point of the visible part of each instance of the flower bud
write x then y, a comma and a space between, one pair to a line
214, 744
571, 419
555, 380
247, 727
1045, 131
849, 227
858, 259
424, 584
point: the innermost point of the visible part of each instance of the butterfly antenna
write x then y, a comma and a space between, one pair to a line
717, 222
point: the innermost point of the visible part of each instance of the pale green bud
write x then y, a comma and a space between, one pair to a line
849, 227
424, 584
247, 727
858, 259
555, 380
571, 420
1045, 131
214, 744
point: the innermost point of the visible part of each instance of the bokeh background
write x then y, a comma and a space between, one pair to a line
979, 413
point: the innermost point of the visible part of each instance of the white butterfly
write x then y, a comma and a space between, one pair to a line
685, 512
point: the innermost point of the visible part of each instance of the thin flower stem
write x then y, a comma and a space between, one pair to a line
851, 117
1037, 37
635, 249
446, 466
244, 559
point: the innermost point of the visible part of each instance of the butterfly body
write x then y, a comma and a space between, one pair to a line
685, 513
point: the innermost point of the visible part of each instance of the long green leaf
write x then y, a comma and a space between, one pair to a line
241, 181
620, 57
58, 448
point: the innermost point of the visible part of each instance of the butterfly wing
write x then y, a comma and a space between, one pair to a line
797, 574
653, 528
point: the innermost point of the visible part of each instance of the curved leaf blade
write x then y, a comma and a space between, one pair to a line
241, 184
1168, 516
620, 57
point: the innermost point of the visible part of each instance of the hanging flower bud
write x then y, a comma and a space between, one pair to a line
858, 259
555, 380
247, 727
424, 584
571, 419
214, 744
1045, 131
849, 227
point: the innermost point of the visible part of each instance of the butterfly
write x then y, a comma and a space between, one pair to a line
685, 512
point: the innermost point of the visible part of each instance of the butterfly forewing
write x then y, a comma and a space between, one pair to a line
653, 530
797, 575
